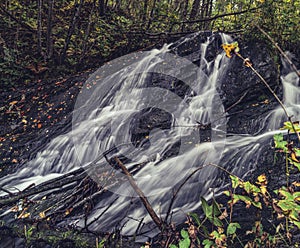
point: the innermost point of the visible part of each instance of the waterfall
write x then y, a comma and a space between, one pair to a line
162, 116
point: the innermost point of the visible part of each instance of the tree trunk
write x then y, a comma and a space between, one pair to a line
101, 7
86, 37
144, 18
151, 14
70, 32
184, 14
195, 9
39, 27
49, 30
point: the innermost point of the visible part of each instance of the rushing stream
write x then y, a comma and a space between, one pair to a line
162, 116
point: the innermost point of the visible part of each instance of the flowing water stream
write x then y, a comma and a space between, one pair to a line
128, 110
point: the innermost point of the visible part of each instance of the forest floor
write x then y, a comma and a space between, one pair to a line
32, 113
28, 111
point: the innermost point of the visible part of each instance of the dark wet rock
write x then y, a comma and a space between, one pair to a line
9, 240
65, 243
39, 243
242, 83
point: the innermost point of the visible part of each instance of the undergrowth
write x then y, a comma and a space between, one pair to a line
217, 229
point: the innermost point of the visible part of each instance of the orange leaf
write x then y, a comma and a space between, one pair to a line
39, 125
13, 103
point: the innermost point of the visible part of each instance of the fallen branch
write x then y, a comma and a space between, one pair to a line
140, 193
51, 184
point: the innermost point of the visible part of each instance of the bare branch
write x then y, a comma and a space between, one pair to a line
19, 21
279, 49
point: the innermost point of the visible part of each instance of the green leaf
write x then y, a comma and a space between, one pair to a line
216, 209
286, 205
297, 151
243, 198
206, 208
234, 181
296, 223
217, 222
283, 191
207, 243
173, 246
296, 164
226, 192
184, 233
289, 126
293, 215
250, 188
296, 194
231, 229
257, 204
196, 218
279, 142
185, 243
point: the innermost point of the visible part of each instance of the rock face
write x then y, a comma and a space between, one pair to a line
244, 96
242, 86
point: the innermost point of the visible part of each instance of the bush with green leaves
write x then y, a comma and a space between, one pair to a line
216, 228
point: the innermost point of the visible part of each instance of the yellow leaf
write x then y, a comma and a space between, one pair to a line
262, 179
68, 211
42, 215
263, 189
23, 215
297, 184
230, 48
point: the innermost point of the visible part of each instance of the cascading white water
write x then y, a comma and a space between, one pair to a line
104, 119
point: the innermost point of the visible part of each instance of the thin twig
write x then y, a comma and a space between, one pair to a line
279, 49
189, 177
99, 216
38, 189
237, 102
213, 17
248, 64
179, 188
